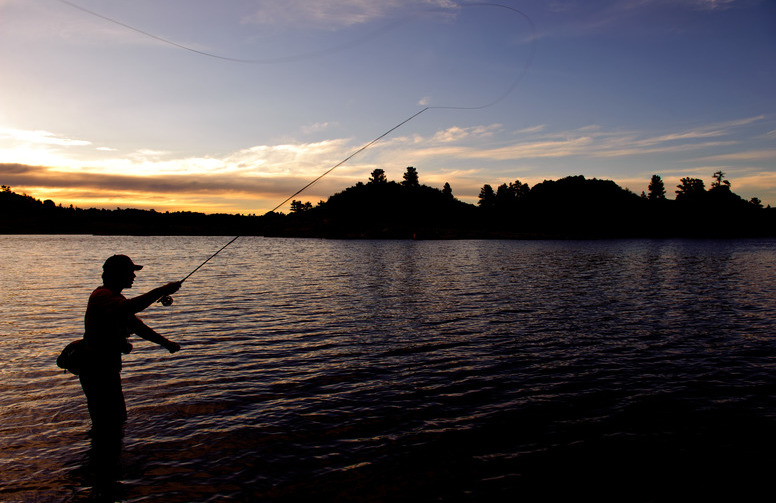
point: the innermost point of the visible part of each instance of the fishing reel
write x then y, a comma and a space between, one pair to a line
166, 301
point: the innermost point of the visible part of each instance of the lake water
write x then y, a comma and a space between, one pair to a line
402, 371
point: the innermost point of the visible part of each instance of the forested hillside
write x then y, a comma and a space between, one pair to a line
572, 207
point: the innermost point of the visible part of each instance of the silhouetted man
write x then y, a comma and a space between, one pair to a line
110, 318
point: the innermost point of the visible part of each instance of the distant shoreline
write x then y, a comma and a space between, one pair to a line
570, 208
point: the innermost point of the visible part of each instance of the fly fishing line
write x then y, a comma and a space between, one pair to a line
314, 54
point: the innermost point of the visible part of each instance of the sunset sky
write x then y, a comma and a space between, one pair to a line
233, 106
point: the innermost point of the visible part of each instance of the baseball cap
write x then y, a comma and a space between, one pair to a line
120, 262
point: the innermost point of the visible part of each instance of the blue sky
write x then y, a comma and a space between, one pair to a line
134, 110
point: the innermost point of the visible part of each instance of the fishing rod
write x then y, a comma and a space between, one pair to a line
167, 300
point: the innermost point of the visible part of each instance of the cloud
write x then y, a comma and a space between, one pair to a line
38, 146
589, 142
74, 24
457, 134
712, 4
532, 129
755, 181
318, 127
289, 158
576, 18
255, 178
739, 122
39, 137
333, 14
765, 156
111, 190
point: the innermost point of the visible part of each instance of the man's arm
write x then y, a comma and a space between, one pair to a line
137, 304
149, 334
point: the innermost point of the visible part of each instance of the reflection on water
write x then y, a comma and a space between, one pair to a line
384, 371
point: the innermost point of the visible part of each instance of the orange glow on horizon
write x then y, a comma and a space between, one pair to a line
244, 205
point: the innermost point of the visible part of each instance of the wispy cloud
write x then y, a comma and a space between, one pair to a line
38, 137
318, 127
713, 4
589, 141
203, 191
332, 14
254, 178
457, 134
532, 129
582, 18
300, 159
767, 155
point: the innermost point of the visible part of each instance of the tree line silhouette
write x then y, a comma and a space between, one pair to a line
571, 207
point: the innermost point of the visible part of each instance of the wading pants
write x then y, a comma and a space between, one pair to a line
105, 400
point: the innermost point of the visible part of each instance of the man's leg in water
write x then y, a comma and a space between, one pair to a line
105, 401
